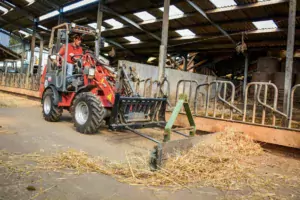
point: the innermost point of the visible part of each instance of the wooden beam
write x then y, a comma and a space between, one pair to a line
158, 20
191, 14
53, 5
226, 47
134, 24
19, 27
16, 37
199, 10
246, 6
209, 36
284, 137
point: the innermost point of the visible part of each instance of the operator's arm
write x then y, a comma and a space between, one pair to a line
62, 50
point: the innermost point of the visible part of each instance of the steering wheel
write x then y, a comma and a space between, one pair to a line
75, 58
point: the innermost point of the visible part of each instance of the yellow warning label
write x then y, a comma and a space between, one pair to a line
109, 97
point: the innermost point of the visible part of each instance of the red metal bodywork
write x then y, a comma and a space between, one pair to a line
102, 84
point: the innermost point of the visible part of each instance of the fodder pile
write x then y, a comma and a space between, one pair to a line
228, 163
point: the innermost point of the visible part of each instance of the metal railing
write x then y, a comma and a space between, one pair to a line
153, 88
219, 101
290, 118
257, 101
220, 87
17, 80
184, 84
218, 93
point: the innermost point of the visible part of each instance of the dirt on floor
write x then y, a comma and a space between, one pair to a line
12, 101
41, 160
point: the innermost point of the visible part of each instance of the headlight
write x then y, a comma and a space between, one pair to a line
91, 72
46, 83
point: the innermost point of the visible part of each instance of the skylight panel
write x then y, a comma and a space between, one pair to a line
77, 5
24, 33
223, 3
11, 4
94, 25
30, 1
114, 23
145, 16
3, 9
132, 39
48, 15
43, 27
185, 32
268, 24
174, 11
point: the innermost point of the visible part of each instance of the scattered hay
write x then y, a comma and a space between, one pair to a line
228, 164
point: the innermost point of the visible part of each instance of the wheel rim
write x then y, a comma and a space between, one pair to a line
81, 113
47, 105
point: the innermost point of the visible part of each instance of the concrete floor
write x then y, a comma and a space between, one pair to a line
27, 132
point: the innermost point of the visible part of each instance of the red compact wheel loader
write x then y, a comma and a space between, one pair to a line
98, 94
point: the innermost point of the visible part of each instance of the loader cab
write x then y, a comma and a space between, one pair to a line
56, 73
56, 65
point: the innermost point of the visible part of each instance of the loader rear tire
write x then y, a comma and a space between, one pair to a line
51, 112
87, 113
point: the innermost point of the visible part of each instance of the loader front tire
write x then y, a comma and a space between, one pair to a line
87, 113
51, 112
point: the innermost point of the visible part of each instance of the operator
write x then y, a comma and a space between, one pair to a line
74, 48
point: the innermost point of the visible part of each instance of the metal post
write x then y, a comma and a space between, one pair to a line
22, 57
164, 41
32, 47
31, 63
5, 67
60, 16
185, 62
99, 24
245, 73
41, 55
289, 56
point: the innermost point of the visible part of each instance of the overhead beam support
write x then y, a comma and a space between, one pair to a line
99, 25
26, 14
19, 27
31, 61
246, 6
22, 57
207, 37
164, 41
41, 56
11, 35
111, 12
289, 56
53, 5
208, 19
191, 14
245, 73
60, 16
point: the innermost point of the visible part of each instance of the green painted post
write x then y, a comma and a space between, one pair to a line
169, 125
183, 101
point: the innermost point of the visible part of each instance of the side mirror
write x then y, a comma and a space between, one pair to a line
52, 57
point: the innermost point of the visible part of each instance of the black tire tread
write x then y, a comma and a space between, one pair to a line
97, 113
55, 112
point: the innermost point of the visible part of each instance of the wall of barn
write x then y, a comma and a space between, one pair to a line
145, 71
